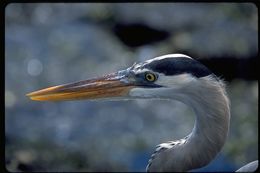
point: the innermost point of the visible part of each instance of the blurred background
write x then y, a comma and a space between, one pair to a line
51, 44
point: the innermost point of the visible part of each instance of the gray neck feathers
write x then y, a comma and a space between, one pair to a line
211, 106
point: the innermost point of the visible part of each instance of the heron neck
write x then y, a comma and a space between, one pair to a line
211, 107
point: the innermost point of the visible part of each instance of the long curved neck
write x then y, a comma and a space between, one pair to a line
208, 99
211, 106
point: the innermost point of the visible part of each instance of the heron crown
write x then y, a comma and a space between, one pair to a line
175, 64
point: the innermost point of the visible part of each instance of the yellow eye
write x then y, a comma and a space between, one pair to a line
150, 77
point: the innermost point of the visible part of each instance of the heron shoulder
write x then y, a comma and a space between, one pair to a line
250, 167
161, 149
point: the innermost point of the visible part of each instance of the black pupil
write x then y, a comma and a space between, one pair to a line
149, 77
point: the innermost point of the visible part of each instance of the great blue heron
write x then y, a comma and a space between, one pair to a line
173, 76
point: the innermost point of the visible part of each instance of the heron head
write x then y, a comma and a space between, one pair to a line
154, 78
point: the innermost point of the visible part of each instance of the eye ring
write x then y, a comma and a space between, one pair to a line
150, 77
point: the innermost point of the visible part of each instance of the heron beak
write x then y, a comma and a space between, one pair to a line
112, 85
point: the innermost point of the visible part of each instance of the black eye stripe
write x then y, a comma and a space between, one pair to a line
178, 65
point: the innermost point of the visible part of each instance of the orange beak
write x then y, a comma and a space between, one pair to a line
112, 85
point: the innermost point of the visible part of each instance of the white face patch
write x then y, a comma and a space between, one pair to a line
170, 86
149, 93
176, 81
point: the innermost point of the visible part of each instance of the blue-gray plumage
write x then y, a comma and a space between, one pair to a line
174, 76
